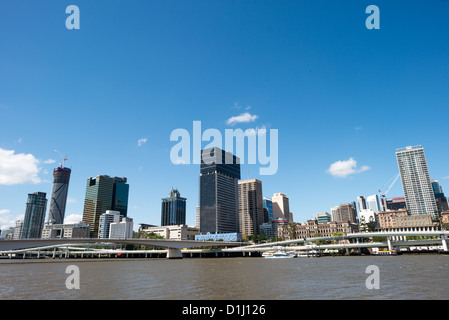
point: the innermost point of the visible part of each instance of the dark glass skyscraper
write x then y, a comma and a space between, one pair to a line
173, 211
58, 200
104, 193
33, 222
219, 175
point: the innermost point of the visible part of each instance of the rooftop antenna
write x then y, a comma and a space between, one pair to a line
63, 159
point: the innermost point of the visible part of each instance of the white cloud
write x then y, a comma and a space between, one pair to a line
445, 178
244, 117
49, 161
141, 141
71, 200
18, 168
254, 131
73, 218
342, 169
6, 220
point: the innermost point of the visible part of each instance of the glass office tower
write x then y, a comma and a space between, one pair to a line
58, 200
104, 193
173, 211
219, 175
33, 222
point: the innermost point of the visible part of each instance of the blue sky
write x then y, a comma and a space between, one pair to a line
333, 89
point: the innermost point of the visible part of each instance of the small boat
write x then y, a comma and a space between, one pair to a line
384, 253
278, 254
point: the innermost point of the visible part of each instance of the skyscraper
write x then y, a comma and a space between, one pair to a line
219, 175
173, 211
120, 193
416, 184
58, 200
281, 206
100, 197
268, 205
250, 206
344, 213
33, 222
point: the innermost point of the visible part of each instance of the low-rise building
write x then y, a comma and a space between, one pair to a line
176, 232
312, 229
66, 231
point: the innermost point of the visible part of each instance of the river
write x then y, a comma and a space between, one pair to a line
240, 278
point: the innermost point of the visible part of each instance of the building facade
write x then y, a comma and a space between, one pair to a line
344, 213
219, 206
312, 229
281, 206
418, 192
65, 231
251, 213
180, 232
122, 229
100, 197
173, 211
104, 226
58, 200
33, 222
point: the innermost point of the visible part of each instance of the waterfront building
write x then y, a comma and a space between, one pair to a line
251, 213
58, 199
227, 237
323, 217
219, 206
419, 195
441, 200
173, 211
33, 221
281, 206
110, 216
173, 232
267, 229
122, 229
344, 213
312, 229
65, 231
100, 197
387, 219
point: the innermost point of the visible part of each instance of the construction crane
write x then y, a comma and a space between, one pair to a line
382, 195
63, 158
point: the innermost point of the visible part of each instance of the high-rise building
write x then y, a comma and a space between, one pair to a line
106, 219
344, 213
122, 229
120, 193
396, 203
441, 200
219, 175
416, 184
173, 211
250, 206
100, 197
281, 206
323, 217
58, 200
33, 222
373, 203
268, 206
361, 203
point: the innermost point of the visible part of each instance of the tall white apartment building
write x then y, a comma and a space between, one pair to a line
418, 192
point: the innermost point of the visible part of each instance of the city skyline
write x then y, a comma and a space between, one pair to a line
343, 98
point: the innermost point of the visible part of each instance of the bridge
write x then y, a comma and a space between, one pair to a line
173, 247
176, 248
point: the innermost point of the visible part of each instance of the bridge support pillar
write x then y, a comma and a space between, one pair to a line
444, 243
174, 253
390, 247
